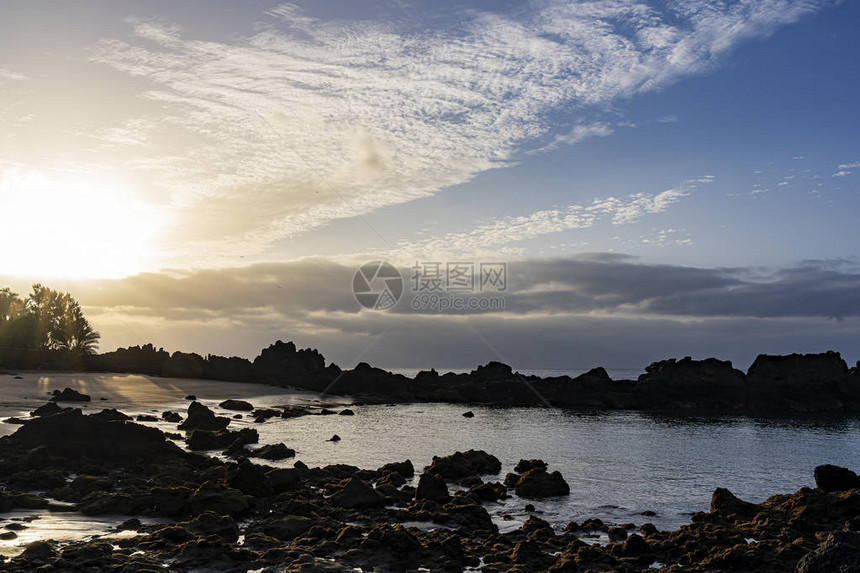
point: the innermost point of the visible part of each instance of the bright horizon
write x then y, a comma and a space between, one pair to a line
660, 179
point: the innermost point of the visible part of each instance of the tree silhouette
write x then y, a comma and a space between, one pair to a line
47, 319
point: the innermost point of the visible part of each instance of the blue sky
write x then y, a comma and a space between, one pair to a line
289, 143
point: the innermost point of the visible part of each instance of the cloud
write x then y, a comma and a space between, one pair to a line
487, 238
385, 114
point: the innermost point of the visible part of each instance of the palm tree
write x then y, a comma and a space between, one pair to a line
84, 338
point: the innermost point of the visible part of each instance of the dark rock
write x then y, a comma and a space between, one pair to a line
191, 397
432, 486
274, 452
538, 483
492, 371
799, 383
525, 465
528, 553
357, 493
461, 464
239, 405
202, 418
112, 415
251, 479
262, 414
287, 528
490, 491
726, 503
709, 384
406, 469
200, 440
221, 500
346, 412
47, 410
72, 434
840, 553
69, 395
617, 534
210, 523
146, 418
172, 417
326, 412
469, 414
38, 552
334, 438
834, 478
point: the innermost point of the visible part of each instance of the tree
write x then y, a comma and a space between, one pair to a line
47, 319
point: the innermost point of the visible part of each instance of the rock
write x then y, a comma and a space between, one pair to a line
274, 452
357, 493
490, 491
461, 464
72, 434
709, 384
239, 405
726, 503
529, 554
47, 410
492, 371
202, 418
287, 528
525, 465
39, 552
834, 478
210, 523
406, 469
432, 486
146, 418
617, 534
799, 383
221, 500
326, 412
469, 414
529, 507
8, 535
840, 553
69, 395
200, 440
346, 412
191, 397
172, 417
334, 438
251, 479
14, 420
112, 415
262, 414
538, 483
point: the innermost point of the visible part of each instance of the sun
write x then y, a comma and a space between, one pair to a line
72, 227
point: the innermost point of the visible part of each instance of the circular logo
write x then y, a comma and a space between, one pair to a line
377, 285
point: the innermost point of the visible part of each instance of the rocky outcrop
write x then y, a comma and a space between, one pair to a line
709, 384
202, 418
538, 483
834, 478
237, 405
799, 383
462, 464
69, 395
432, 487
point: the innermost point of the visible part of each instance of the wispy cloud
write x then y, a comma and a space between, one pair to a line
385, 116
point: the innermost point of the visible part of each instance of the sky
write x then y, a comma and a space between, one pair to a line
654, 178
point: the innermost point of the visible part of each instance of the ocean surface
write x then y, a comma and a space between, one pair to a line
618, 464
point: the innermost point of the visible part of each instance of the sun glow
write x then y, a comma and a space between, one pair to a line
72, 227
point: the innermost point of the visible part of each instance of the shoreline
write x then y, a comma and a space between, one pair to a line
340, 517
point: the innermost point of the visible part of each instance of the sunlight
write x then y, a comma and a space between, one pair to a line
72, 228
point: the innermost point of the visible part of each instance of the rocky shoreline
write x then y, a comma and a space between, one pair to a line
797, 383
235, 513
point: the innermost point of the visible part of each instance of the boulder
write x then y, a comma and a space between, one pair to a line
210, 523
69, 395
525, 465
461, 464
274, 452
71, 434
537, 483
834, 478
726, 503
287, 528
406, 469
172, 417
251, 479
840, 553
200, 440
357, 493
202, 418
432, 486
346, 412
238, 405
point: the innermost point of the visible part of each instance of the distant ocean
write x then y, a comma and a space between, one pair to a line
614, 373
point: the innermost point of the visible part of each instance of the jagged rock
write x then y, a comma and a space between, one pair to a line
709, 384
72, 434
239, 405
287, 528
525, 465
251, 479
210, 523
69, 395
834, 478
538, 483
111, 414
432, 486
172, 417
47, 410
357, 493
725, 502
840, 553
200, 440
334, 438
469, 414
406, 469
490, 491
274, 452
202, 418
146, 418
461, 464
798, 383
